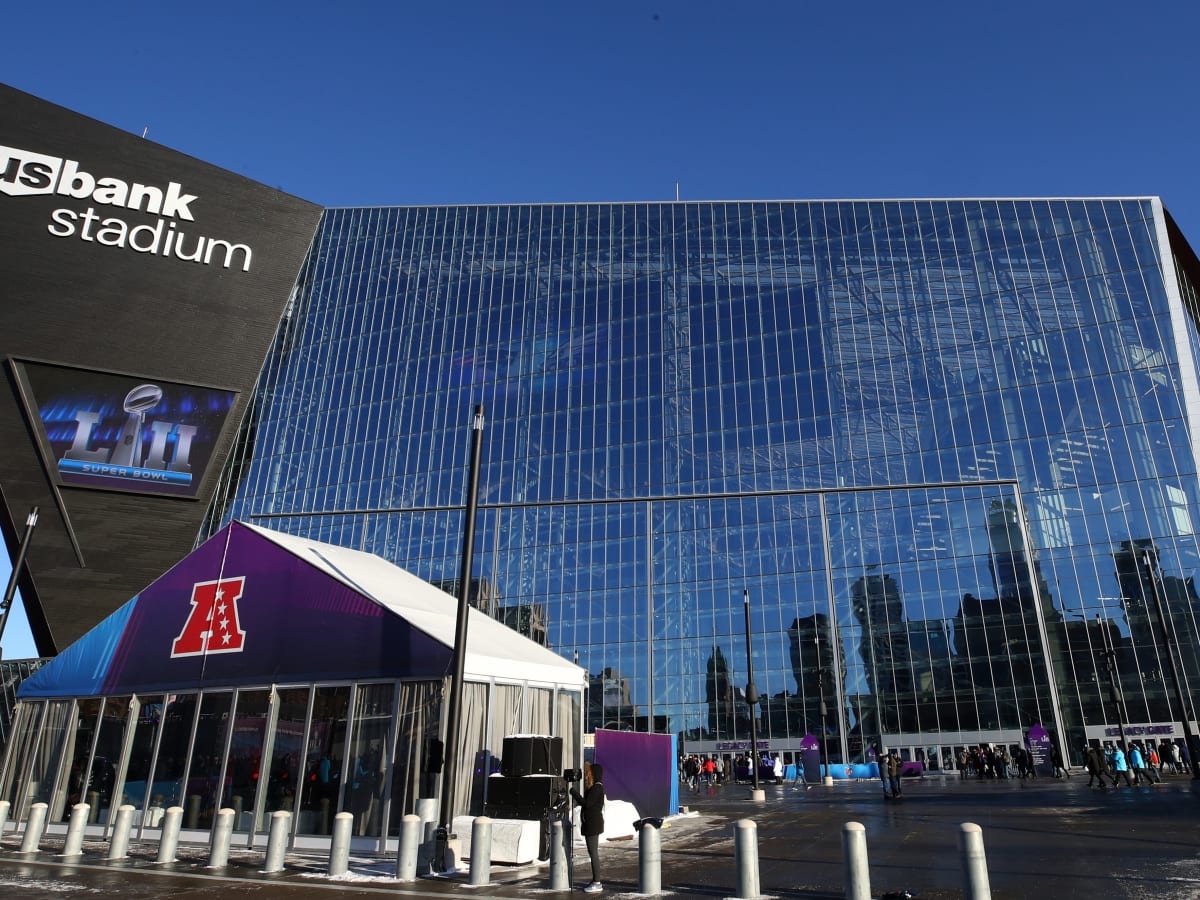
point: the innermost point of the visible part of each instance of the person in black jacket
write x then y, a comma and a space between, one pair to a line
591, 816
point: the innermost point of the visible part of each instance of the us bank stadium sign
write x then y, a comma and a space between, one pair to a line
25, 173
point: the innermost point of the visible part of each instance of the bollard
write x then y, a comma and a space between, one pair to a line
410, 844
745, 853
481, 851
339, 847
854, 852
118, 846
560, 878
427, 812
649, 860
73, 846
974, 864
281, 825
168, 841
218, 857
3, 816
34, 828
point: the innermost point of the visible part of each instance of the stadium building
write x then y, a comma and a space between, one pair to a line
941, 455
944, 450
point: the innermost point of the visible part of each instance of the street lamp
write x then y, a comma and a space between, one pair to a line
11, 591
1172, 650
827, 778
1110, 657
751, 698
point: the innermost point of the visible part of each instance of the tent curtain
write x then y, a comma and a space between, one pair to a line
541, 704
417, 763
472, 729
567, 724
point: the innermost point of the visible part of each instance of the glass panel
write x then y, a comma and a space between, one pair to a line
141, 759
245, 755
173, 750
288, 750
26, 730
207, 780
369, 755
103, 772
78, 751
323, 760
417, 768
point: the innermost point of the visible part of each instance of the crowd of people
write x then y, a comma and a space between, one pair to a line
1144, 763
697, 771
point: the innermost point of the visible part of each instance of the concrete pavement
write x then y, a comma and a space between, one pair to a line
1044, 838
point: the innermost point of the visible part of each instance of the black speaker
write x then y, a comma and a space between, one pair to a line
526, 754
526, 797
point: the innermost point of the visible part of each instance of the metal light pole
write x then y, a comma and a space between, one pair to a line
11, 591
450, 757
827, 777
1110, 657
751, 698
1177, 683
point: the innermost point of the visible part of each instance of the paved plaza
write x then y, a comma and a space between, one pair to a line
1045, 838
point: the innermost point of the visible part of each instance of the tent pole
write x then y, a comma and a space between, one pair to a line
450, 758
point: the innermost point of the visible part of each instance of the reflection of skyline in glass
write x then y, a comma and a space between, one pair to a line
934, 423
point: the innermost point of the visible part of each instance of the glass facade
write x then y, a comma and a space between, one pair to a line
944, 449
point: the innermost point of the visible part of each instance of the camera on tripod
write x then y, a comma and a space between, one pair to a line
572, 774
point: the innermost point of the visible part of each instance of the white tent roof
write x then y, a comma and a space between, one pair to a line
493, 649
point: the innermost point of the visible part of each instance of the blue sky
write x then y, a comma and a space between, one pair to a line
378, 103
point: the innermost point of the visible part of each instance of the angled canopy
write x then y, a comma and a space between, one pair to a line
255, 606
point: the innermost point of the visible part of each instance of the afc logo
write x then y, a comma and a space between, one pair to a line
213, 625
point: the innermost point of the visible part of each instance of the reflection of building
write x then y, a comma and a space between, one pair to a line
725, 718
1145, 588
528, 619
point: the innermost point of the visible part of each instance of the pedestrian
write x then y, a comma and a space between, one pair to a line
1176, 757
1137, 762
883, 758
1095, 767
1060, 770
800, 779
777, 768
1116, 758
591, 819
895, 766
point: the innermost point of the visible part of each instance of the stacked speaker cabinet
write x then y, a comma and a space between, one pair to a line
530, 783
531, 754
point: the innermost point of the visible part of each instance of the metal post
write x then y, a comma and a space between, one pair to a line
751, 698
168, 841
854, 852
974, 863
410, 843
34, 828
222, 834
4, 805
649, 860
11, 591
481, 851
118, 845
826, 778
450, 758
560, 877
73, 846
277, 841
339, 847
745, 852
1172, 651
